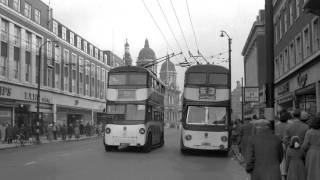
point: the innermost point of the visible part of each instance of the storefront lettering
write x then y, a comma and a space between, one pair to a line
33, 97
5, 91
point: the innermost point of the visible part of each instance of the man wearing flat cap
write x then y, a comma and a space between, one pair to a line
296, 128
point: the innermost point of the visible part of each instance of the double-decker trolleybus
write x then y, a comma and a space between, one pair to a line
206, 109
135, 109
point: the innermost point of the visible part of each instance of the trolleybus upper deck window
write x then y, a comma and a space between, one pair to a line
128, 79
197, 78
218, 79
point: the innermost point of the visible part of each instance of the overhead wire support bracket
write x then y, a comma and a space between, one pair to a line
161, 59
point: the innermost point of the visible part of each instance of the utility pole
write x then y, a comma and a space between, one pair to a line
269, 110
242, 100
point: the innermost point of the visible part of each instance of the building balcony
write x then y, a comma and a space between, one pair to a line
312, 6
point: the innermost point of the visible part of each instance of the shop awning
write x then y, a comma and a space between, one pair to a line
311, 89
285, 99
312, 6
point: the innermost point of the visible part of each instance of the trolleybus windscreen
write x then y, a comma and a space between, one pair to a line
218, 79
127, 79
197, 78
206, 115
130, 111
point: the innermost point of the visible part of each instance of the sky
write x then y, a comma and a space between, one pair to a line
108, 23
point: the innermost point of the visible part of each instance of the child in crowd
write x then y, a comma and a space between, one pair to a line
295, 160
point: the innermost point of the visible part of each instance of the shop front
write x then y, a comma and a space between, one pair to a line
18, 106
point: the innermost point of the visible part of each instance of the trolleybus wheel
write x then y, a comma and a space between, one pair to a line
107, 148
162, 139
148, 145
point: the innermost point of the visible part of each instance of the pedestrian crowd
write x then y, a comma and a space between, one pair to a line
284, 149
27, 134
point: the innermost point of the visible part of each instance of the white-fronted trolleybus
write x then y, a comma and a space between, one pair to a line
205, 109
135, 99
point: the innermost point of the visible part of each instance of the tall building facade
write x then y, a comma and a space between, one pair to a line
254, 55
147, 57
73, 70
297, 57
168, 75
236, 105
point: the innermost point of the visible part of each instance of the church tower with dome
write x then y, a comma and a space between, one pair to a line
168, 75
127, 57
147, 56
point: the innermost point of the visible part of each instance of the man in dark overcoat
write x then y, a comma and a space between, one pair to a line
296, 128
264, 153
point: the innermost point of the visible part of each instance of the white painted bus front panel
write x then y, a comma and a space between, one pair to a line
125, 134
204, 140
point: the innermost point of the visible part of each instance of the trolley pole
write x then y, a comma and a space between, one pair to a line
242, 100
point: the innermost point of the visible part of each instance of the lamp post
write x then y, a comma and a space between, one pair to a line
38, 90
224, 33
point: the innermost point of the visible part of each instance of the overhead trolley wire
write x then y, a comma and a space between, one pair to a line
155, 22
175, 13
194, 33
167, 21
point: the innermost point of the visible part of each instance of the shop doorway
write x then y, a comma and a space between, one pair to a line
72, 118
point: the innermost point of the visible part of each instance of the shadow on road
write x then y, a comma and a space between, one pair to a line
215, 154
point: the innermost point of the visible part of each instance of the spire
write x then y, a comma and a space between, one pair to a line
146, 43
127, 57
126, 44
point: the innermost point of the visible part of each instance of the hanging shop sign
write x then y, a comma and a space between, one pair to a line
251, 94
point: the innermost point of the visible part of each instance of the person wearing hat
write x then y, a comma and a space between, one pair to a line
311, 145
296, 128
264, 153
280, 129
305, 117
245, 131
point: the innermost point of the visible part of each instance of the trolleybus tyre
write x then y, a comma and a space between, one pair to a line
147, 147
107, 148
162, 140
183, 150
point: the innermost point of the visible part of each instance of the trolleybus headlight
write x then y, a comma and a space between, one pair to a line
108, 130
188, 137
142, 131
224, 138
221, 147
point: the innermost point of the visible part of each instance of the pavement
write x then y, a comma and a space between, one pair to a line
43, 140
83, 160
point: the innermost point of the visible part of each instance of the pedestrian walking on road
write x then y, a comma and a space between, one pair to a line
295, 160
70, 131
245, 132
3, 132
280, 130
50, 132
311, 145
296, 128
77, 131
63, 131
9, 133
264, 153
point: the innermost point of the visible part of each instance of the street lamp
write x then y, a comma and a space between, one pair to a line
223, 34
38, 90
